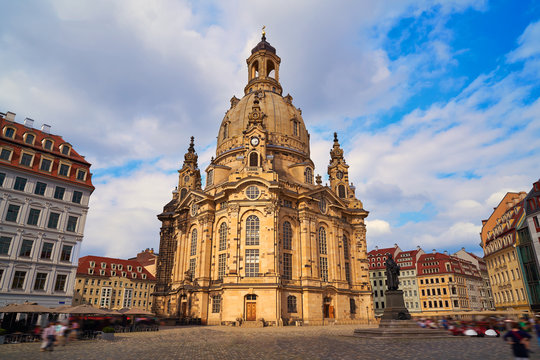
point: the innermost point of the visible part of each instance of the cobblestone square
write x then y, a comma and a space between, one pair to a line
219, 342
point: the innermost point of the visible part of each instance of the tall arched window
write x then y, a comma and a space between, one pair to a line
222, 236
193, 242
210, 178
287, 236
255, 70
345, 246
225, 130
270, 69
341, 191
183, 193
253, 159
252, 230
308, 176
322, 241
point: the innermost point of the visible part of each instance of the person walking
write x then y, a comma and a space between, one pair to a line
519, 340
537, 330
48, 337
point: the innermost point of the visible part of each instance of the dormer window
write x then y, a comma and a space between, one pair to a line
92, 264
129, 267
48, 144
65, 149
113, 266
139, 268
81, 175
63, 169
113, 273
144, 276
46, 164
26, 159
5, 154
134, 275
102, 272
103, 265
29, 138
9, 132
91, 271
120, 266
124, 273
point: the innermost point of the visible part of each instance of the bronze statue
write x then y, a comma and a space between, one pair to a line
392, 273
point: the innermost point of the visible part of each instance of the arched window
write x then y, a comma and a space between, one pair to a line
222, 236
193, 242
254, 159
346, 246
270, 69
295, 127
255, 70
322, 240
341, 191
352, 305
210, 178
225, 130
252, 230
183, 193
291, 304
287, 236
308, 174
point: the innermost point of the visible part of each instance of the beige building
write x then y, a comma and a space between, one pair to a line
113, 283
499, 239
262, 239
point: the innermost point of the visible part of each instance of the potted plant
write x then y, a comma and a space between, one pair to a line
108, 333
2, 335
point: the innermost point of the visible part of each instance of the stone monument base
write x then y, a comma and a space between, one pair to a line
396, 322
395, 306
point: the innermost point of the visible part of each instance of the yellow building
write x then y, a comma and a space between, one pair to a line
113, 283
263, 240
499, 241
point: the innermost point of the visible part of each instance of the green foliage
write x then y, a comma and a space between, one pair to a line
108, 329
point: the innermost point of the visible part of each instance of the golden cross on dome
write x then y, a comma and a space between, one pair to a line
263, 30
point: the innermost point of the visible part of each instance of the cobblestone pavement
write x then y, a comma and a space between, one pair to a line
219, 342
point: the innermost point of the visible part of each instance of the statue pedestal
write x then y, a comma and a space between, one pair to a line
396, 322
395, 306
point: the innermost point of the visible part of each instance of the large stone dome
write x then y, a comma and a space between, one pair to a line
281, 119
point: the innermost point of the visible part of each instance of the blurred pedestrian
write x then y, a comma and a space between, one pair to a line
537, 330
519, 339
48, 336
74, 332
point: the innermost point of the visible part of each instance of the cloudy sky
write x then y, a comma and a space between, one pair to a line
436, 102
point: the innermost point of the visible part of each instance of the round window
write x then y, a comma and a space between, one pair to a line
252, 192
194, 209
322, 205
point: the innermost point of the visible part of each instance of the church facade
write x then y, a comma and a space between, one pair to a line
263, 239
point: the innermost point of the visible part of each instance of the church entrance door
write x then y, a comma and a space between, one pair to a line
251, 311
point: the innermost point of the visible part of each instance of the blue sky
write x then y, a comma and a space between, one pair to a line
435, 102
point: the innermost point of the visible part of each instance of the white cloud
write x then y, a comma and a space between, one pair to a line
377, 227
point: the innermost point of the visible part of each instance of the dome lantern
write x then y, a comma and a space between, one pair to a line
263, 68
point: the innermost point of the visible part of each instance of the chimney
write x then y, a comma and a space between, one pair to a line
445, 252
46, 128
418, 247
463, 248
10, 116
376, 248
434, 251
29, 123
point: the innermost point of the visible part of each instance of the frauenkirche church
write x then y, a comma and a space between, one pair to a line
263, 240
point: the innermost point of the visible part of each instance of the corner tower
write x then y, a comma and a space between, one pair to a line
261, 239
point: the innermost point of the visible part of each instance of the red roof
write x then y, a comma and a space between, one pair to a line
377, 257
84, 265
436, 264
18, 144
406, 257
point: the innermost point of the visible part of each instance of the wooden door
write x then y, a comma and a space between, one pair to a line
326, 310
251, 311
331, 312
